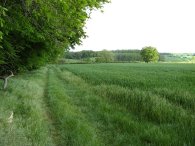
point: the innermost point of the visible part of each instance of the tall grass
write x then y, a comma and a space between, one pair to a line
100, 105
162, 94
24, 97
113, 123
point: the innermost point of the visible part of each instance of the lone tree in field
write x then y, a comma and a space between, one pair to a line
150, 54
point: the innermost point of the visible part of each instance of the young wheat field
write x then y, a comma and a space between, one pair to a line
114, 104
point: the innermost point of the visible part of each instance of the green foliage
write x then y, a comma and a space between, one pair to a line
81, 55
119, 55
127, 55
105, 56
39, 31
149, 54
2, 15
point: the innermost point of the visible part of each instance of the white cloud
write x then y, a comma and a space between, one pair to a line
132, 24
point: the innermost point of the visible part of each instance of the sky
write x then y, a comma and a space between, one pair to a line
168, 25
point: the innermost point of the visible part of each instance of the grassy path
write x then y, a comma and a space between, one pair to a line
48, 114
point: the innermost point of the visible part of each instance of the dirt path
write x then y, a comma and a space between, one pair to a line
48, 114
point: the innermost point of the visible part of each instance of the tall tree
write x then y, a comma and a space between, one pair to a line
38, 31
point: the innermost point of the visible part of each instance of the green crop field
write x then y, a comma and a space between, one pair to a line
100, 105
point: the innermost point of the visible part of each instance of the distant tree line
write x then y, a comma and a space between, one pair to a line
106, 56
147, 54
81, 55
111, 56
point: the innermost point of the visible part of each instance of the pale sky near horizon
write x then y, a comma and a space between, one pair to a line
168, 25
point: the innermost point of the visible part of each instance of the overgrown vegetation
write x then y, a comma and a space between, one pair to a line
25, 98
34, 32
101, 104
